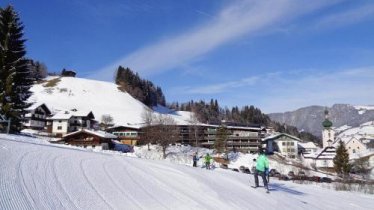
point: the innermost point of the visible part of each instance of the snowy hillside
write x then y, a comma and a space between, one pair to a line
365, 130
363, 109
38, 175
102, 98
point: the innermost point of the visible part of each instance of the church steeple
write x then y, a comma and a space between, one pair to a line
328, 134
327, 123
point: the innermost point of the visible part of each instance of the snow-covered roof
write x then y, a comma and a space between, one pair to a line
34, 106
307, 145
277, 135
65, 115
326, 153
124, 126
99, 133
231, 127
38, 104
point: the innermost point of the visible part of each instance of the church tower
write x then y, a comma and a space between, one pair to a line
328, 134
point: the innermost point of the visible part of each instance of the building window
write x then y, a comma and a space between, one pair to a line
60, 121
283, 143
354, 151
59, 127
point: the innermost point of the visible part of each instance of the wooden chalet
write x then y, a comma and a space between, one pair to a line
37, 117
126, 134
86, 137
285, 144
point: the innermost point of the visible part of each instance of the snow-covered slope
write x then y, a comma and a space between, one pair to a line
363, 109
365, 130
102, 98
37, 175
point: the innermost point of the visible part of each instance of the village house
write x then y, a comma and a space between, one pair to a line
65, 122
36, 119
126, 134
285, 144
307, 148
353, 145
323, 158
358, 141
89, 138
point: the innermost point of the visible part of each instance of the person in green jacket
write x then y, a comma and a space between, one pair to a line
207, 159
262, 167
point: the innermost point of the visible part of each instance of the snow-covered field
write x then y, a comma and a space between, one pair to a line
37, 175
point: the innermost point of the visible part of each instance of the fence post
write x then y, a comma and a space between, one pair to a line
7, 130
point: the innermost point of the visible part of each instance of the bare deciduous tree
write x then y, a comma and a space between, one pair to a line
106, 121
165, 132
146, 135
194, 129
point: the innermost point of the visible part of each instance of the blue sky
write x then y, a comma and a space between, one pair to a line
277, 55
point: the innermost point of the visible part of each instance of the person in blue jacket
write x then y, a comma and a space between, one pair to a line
195, 158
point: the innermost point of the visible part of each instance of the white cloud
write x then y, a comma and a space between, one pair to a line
222, 87
346, 17
244, 17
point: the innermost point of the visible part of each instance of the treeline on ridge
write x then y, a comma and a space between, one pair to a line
141, 89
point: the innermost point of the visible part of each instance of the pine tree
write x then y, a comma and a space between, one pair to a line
221, 138
341, 160
15, 73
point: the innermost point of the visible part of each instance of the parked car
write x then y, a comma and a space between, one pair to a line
244, 169
273, 172
301, 173
283, 177
122, 147
326, 179
314, 178
291, 174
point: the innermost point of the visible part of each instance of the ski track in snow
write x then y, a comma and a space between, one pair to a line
42, 176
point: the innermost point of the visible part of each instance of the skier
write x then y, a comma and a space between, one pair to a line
195, 159
262, 168
207, 161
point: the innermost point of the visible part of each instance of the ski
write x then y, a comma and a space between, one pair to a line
267, 190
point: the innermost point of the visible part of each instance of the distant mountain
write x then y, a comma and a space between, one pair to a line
310, 118
102, 98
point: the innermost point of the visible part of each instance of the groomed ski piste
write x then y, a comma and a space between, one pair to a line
35, 174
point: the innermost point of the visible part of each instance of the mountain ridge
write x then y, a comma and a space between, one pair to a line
310, 118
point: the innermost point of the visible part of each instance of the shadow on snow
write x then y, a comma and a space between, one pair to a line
283, 188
